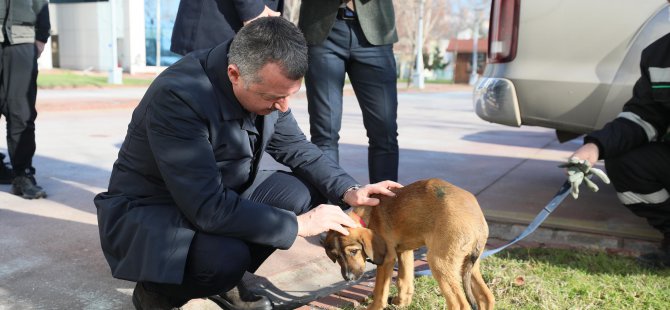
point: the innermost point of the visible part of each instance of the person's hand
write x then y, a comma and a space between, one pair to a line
267, 12
589, 152
40, 47
361, 196
579, 170
324, 218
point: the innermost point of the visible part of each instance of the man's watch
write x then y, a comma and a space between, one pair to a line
352, 188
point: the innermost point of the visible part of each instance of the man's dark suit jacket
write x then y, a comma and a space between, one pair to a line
202, 24
185, 158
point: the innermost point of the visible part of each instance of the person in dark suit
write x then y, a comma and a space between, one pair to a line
353, 37
187, 210
206, 23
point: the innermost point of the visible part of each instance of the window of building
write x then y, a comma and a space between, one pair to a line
160, 26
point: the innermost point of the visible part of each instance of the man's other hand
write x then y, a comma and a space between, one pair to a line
361, 197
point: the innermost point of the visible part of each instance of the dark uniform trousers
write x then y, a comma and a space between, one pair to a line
18, 93
372, 72
215, 264
642, 182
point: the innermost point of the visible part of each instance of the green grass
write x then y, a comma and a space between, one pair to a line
561, 279
68, 79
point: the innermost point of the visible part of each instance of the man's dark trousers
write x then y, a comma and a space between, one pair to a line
641, 178
215, 264
372, 72
18, 92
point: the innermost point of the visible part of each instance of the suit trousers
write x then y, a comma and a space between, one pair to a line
372, 72
18, 92
641, 178
215, 264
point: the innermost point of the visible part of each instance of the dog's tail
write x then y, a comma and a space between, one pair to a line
468, 262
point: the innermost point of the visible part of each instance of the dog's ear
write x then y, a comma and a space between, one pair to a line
331, 255
373, 246
328, 244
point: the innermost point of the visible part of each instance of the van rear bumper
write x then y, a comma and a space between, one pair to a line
495, 101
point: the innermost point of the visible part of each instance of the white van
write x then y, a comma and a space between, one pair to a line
565, 64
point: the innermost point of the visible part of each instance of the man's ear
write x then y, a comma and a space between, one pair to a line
373, 246
233, 73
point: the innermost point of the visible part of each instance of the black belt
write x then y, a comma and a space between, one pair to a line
346, 13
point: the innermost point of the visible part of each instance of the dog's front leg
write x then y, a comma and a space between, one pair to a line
382, 284
405, 278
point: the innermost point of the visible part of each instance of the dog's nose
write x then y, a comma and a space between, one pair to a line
351, 277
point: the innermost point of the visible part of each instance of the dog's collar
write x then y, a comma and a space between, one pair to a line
360, 219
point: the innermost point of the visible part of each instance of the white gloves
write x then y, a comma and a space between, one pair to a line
580, 170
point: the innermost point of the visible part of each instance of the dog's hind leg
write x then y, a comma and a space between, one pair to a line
484, 297
447, 273
405, 278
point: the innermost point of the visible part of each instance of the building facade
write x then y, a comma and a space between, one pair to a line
84, 35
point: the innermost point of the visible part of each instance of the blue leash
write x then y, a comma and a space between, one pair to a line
539, 219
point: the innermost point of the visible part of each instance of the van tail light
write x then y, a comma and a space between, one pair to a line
503, 31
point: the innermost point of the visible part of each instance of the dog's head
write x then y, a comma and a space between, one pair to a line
352, 251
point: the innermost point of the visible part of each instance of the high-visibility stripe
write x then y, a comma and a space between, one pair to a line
630, 198
648, 128
660, 86
659, 75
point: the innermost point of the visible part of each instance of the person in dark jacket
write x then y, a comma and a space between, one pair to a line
204, 24
187, 210
353, 38
25, 30
636, 148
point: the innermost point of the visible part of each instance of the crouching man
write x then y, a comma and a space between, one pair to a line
187, 211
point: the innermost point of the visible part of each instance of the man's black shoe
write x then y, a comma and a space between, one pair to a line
241, 298
658, 259
146, 300
6, 173
26, 187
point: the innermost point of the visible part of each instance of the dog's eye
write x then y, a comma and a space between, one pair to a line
353, 252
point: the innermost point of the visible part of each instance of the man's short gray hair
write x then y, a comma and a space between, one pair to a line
269, 40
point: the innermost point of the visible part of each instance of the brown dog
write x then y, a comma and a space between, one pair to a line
444, 218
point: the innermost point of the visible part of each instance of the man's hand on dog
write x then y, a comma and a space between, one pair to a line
361, 196
324, 218
331, 217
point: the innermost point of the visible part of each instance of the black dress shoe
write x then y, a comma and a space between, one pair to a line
146, 300
241, 298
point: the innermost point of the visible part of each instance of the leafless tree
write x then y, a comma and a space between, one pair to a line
436, 17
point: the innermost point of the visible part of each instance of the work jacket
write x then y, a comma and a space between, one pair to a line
186, 158
646, 116
24, 21
202, 24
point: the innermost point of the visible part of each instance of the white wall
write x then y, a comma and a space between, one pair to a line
84, 35
133, 52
